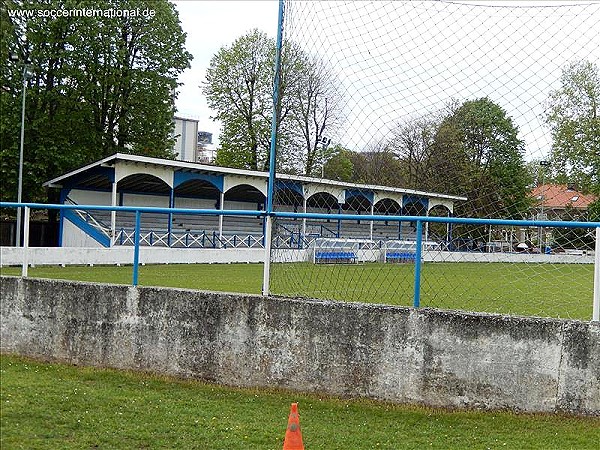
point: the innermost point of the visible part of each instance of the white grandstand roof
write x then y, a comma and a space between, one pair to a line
217, 170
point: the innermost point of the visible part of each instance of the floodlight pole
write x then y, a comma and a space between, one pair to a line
272, 154
20, 185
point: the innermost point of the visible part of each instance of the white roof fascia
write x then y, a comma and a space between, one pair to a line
55, 181
243, 172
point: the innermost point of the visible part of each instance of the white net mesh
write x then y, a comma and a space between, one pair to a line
443, 109
400, 60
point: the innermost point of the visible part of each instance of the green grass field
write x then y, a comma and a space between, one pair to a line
54, 406
546, 290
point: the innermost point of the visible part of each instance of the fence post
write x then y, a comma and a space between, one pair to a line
267, 262
417, 297
596, 308
25, 265
136, 246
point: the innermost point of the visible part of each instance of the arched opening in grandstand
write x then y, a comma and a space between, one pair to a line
439, 232
288, 199
413, 206
322, 203
196, 194
243, 197
386, 230
357, 202
147, 190
289, 232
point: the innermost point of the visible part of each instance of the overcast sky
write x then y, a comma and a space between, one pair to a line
501, 44
211, 25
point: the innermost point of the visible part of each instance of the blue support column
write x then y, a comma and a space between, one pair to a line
64, 193
170, 224
275, 118
339, 222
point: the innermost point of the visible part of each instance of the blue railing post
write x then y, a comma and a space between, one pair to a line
170, 216
417, 297
136, 247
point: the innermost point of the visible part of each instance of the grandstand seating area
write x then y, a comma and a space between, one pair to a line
203, 230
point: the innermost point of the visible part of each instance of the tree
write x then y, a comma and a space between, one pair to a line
594, 211
315, 109
470, 149
239, 87
476, 152
412, 144
99, 85
377, 166
573, 116
339, 165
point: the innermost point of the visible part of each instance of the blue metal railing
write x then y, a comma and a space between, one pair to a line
419, 220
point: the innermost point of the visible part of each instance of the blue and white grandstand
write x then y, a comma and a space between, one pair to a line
128, 180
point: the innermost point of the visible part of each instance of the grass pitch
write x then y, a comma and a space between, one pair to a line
54, 406
546, 290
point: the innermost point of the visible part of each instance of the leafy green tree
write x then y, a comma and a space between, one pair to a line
573, 115
470, 149
99, 85
477, 153
239, 87
339, 166
593, 211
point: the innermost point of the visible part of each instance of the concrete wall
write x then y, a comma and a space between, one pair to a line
392, 353
39, 256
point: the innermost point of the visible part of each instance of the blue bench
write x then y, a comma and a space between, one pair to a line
400, 257
335, 257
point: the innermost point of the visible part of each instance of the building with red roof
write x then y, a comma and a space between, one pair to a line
553, 200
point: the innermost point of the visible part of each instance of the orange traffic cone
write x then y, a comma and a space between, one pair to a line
293, 435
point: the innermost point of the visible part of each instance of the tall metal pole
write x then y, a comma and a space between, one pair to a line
274, 119
272, 159
20, 187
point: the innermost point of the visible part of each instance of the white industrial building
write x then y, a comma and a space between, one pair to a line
186, 139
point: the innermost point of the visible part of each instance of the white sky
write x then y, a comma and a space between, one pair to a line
211, 25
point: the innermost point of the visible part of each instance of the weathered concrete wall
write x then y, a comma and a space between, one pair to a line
392, 353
